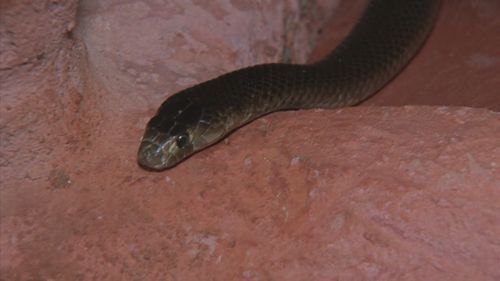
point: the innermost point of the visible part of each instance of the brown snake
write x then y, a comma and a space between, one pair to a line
381, 44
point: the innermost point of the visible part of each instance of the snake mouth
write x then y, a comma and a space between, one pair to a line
153, 156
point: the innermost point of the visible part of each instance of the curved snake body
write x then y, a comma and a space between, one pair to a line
386, 37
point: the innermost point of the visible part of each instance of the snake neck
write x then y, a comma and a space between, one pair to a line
377, 49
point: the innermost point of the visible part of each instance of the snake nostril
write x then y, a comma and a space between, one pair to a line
149, 155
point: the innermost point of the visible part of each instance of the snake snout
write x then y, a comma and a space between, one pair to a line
151, 156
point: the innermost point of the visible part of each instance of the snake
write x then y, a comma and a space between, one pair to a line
383, 41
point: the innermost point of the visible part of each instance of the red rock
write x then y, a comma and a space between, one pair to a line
368, 193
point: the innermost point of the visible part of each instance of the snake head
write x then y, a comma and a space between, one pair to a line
168, 138
160, 150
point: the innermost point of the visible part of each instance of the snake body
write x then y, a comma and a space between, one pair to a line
384, 40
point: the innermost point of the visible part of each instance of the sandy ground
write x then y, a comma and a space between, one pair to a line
404, 187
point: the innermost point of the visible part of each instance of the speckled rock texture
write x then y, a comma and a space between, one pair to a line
404, 187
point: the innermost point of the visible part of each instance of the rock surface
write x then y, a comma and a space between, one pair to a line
365, 193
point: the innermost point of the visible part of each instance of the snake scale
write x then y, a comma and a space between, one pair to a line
383, 41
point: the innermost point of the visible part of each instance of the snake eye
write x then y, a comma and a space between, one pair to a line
181, 141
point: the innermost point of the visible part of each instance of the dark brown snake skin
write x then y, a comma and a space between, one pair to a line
387, 36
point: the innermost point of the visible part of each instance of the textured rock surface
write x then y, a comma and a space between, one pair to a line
369, 193
148, 49
48, 108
